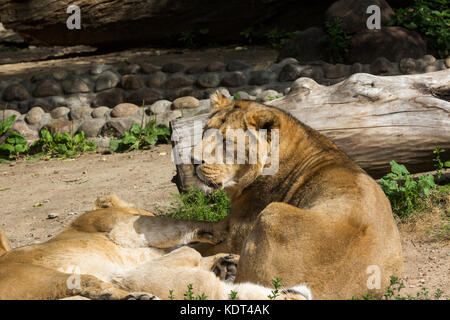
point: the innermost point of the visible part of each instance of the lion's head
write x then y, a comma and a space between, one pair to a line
239, 142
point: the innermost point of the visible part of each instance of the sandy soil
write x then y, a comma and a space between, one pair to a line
68, 188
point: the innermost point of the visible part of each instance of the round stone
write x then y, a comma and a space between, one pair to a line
290, 72
4, 114
106, 80
268, 95
166, 118
156, 79
447, 62
100, 112
236, 65
407, 65
186, 102
60, 113
131, 69
428, 59
288, 60
144, 96
22, 128
431, 68
109, 98
97, 69
149, 68
188, 91
131, 82
357, 68
208, 80
161, 106
92, 127
178, 81
195, 69
15, 92
234, 79
80, 112
380, 66
261, 77
315, 73
47, 88
59, 74
75, 85
34, 116
173, 67
124, 109
216, 66
334, 71
60, 126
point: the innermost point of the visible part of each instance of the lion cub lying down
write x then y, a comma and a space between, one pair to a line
113, 253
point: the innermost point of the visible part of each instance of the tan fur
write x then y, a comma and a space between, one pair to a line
110, 247
5, 246
320, 220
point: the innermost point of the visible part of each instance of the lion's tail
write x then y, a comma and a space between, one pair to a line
5, 246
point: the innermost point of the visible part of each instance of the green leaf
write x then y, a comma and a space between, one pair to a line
7, 147
6, 124
135, 129
114, 145
398, 168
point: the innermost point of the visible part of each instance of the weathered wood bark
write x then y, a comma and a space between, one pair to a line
374, 119
131, 22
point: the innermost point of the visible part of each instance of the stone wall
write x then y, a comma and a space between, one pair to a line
104, 100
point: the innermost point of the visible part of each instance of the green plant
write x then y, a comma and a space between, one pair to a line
248, 34
62, 144
404, 193
233, 295
141, 137
276, 285
278, 39
270, 98
438, 164
393, 292
196, 205
193, 39
14, 144
432, 19
187, 38
338, 41
189, 294
171, 297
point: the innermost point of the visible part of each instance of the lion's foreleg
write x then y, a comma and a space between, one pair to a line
166, 233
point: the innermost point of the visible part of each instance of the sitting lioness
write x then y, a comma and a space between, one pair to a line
107, 254
319, 220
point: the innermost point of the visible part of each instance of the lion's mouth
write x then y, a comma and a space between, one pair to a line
205, 184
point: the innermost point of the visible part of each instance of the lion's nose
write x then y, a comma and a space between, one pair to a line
196, 161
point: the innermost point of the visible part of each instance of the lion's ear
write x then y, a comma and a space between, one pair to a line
219, 101
262, 119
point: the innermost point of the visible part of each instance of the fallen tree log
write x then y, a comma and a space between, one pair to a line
374, 119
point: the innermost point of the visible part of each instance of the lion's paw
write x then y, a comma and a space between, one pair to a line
141, 296
225, 267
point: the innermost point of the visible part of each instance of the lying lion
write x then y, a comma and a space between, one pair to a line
111, 251
319, 220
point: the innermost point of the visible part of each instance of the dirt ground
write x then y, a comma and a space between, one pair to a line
30, 192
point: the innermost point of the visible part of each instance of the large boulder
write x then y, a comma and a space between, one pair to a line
353, 13
308, 45
118, 22
393, 43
